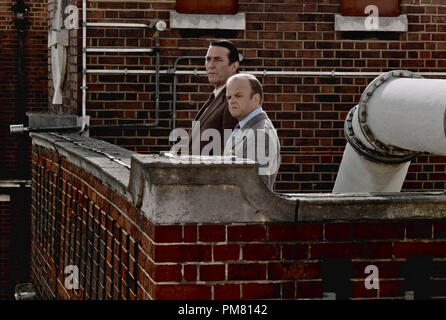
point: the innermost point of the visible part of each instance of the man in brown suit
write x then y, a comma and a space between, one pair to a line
222, 62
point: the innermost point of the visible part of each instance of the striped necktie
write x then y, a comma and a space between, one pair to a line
232, 136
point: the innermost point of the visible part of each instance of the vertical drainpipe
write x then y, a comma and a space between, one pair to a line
20, 199
21, 23
84, 64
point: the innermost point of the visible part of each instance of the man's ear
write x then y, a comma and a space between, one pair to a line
257, 99
235, 66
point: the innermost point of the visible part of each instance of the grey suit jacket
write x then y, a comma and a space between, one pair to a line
258, 141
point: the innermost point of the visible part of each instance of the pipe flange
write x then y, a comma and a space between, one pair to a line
374, 155
381, 147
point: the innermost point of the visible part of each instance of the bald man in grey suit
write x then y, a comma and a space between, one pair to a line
254, 137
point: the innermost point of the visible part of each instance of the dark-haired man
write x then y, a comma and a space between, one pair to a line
222, 61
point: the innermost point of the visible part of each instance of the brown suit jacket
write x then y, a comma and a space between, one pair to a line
214, 115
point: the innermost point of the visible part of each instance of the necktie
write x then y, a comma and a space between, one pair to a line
232, 136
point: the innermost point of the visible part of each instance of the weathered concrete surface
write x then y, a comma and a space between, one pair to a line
45, 120
389, 24
212, 190
371, 206
207, 21
78, 150
178, 190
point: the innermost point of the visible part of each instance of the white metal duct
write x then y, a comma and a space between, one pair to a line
399, 115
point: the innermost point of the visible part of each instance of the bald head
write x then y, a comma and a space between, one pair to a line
244, 94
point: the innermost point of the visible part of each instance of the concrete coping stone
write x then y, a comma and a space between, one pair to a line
208, 21
382, 24
78, 150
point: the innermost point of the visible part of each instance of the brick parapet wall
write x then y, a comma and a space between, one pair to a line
196, 260
270, 261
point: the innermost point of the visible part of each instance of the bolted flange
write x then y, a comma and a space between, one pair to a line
385, 149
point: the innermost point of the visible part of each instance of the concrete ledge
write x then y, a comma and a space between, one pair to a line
70, 146
45, 120
370, 206
208, 21
204, 190
389, 24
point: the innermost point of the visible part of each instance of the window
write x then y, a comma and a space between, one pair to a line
371, 15
386, 8
207, 7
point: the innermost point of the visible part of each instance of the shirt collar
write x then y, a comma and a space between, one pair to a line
250, 116
219, 90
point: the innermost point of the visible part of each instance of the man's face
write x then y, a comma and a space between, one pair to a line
241, 104
218, 67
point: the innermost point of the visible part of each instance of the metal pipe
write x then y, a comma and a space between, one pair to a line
175, 72
15, 183
84, 64
119, 71
119, 25
399, 115
135, 71
157, 80
263, 73
158, 25
21, 22
119, 50
19, 129
174, 94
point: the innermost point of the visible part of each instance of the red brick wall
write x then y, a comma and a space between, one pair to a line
308, 112
14, 240
107, 244
200, 261
14, 151
36, 76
